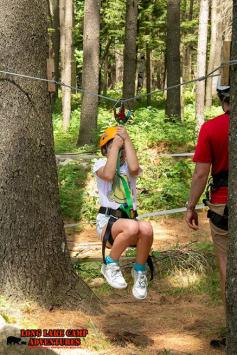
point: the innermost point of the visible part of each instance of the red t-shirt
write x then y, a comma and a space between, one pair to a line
212, 147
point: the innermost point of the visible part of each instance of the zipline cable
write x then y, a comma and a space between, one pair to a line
209, 75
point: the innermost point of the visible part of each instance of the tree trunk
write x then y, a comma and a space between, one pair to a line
141, 67
119, 66
73, 59
187, 63
54, 15
67, 79
35, 264
187, 57
173, 108
129, 73
105, 79
201, 61
215, 49
190, 16
231, 284
105, 64
62, 36
148, 74
90, 72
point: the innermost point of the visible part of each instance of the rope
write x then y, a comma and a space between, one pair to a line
153, 214
209, 75
167, 212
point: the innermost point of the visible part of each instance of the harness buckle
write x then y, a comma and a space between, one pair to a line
107, 211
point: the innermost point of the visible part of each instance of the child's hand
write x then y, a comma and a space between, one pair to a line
122, 132
118, 141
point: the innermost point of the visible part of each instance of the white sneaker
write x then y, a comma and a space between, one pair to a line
113, 275
139, 289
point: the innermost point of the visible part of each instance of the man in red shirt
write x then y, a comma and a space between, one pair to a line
211, 154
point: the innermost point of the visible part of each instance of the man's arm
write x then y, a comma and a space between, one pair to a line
199, 181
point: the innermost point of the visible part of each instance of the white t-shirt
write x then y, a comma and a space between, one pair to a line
112, 194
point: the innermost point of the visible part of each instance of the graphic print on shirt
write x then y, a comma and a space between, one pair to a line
118, 194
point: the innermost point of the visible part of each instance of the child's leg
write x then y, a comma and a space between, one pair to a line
144, 242
125, 233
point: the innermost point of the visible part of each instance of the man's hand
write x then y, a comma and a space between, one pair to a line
191, 219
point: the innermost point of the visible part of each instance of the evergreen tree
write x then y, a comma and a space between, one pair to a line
35, 263
90, 73
173, 105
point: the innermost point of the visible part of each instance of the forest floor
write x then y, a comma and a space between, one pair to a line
172, 320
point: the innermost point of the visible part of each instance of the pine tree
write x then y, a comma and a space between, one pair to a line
35, 263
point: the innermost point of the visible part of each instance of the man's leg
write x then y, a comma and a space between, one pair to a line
220, 241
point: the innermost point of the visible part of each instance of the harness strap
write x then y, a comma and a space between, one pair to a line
151, 266
214, 182
129, 201
220, 179
218, 220
107, 236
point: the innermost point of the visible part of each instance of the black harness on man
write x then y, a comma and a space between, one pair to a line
217, 181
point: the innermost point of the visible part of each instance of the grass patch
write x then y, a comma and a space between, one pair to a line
189, 271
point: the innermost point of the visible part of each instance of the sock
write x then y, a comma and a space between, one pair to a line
109, 260
139, 267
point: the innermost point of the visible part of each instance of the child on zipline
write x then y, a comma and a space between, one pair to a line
116, 180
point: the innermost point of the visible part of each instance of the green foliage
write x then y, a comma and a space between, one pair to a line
72, 178
88, 270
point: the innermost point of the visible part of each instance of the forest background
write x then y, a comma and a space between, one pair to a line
168, 42
110, 50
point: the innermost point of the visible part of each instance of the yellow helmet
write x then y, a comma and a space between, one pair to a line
108, 134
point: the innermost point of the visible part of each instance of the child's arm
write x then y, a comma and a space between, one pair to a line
131, 156
107, 172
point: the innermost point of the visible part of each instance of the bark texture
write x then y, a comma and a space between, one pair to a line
148, 74
215, 49
201, 61
35, 263
232, 254
119, 66
67, 72
54, 17
90, 71
187, 55
62, 36
130, 51
173, 107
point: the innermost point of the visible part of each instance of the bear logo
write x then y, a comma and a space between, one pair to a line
14, 340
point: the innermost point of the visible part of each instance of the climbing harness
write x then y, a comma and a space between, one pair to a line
216, 181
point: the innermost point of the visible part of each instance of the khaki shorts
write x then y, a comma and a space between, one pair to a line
219, 236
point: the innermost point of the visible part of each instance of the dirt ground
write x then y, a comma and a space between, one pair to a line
161, 324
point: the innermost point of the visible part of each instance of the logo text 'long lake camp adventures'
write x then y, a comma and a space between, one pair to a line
51, 337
